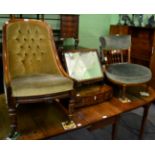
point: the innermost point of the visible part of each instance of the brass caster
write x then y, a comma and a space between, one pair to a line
124, 100
68, 125
13, 135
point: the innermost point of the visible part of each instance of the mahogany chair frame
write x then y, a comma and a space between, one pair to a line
116, 56
112, 55
13, 102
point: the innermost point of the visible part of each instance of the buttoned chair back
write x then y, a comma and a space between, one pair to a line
32, 70
30, 49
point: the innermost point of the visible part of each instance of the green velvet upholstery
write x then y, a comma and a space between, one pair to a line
30, 49
116, 42
32, 63
41, 84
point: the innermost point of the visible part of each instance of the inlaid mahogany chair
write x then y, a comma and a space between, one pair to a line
32, 71
119, 70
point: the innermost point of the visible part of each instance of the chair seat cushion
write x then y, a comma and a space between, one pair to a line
40, 84
125, 73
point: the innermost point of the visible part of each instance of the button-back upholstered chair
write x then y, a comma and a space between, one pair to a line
32, 70
116, 52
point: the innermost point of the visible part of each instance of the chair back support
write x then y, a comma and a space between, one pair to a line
116, 48
29, 48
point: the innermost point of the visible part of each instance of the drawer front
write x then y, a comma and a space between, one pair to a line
69, 24
141, 43
115, 29
69, 29
69, 18
141, 53
95, 99
146, 34
69, 34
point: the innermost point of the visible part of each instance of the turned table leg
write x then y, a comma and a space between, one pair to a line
114, 128
144, 119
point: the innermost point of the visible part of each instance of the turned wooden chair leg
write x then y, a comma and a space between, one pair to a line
72, 104
13, 118
144, 119
76, 43
71, 109
69, 124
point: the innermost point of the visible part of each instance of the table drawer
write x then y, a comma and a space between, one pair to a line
98, 97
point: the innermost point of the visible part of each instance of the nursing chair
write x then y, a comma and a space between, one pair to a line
32, 71
116, 53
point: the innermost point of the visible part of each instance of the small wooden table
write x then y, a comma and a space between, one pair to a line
40, 121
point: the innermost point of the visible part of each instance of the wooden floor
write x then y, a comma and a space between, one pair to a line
39, 121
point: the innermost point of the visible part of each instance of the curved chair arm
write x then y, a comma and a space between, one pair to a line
7, 78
